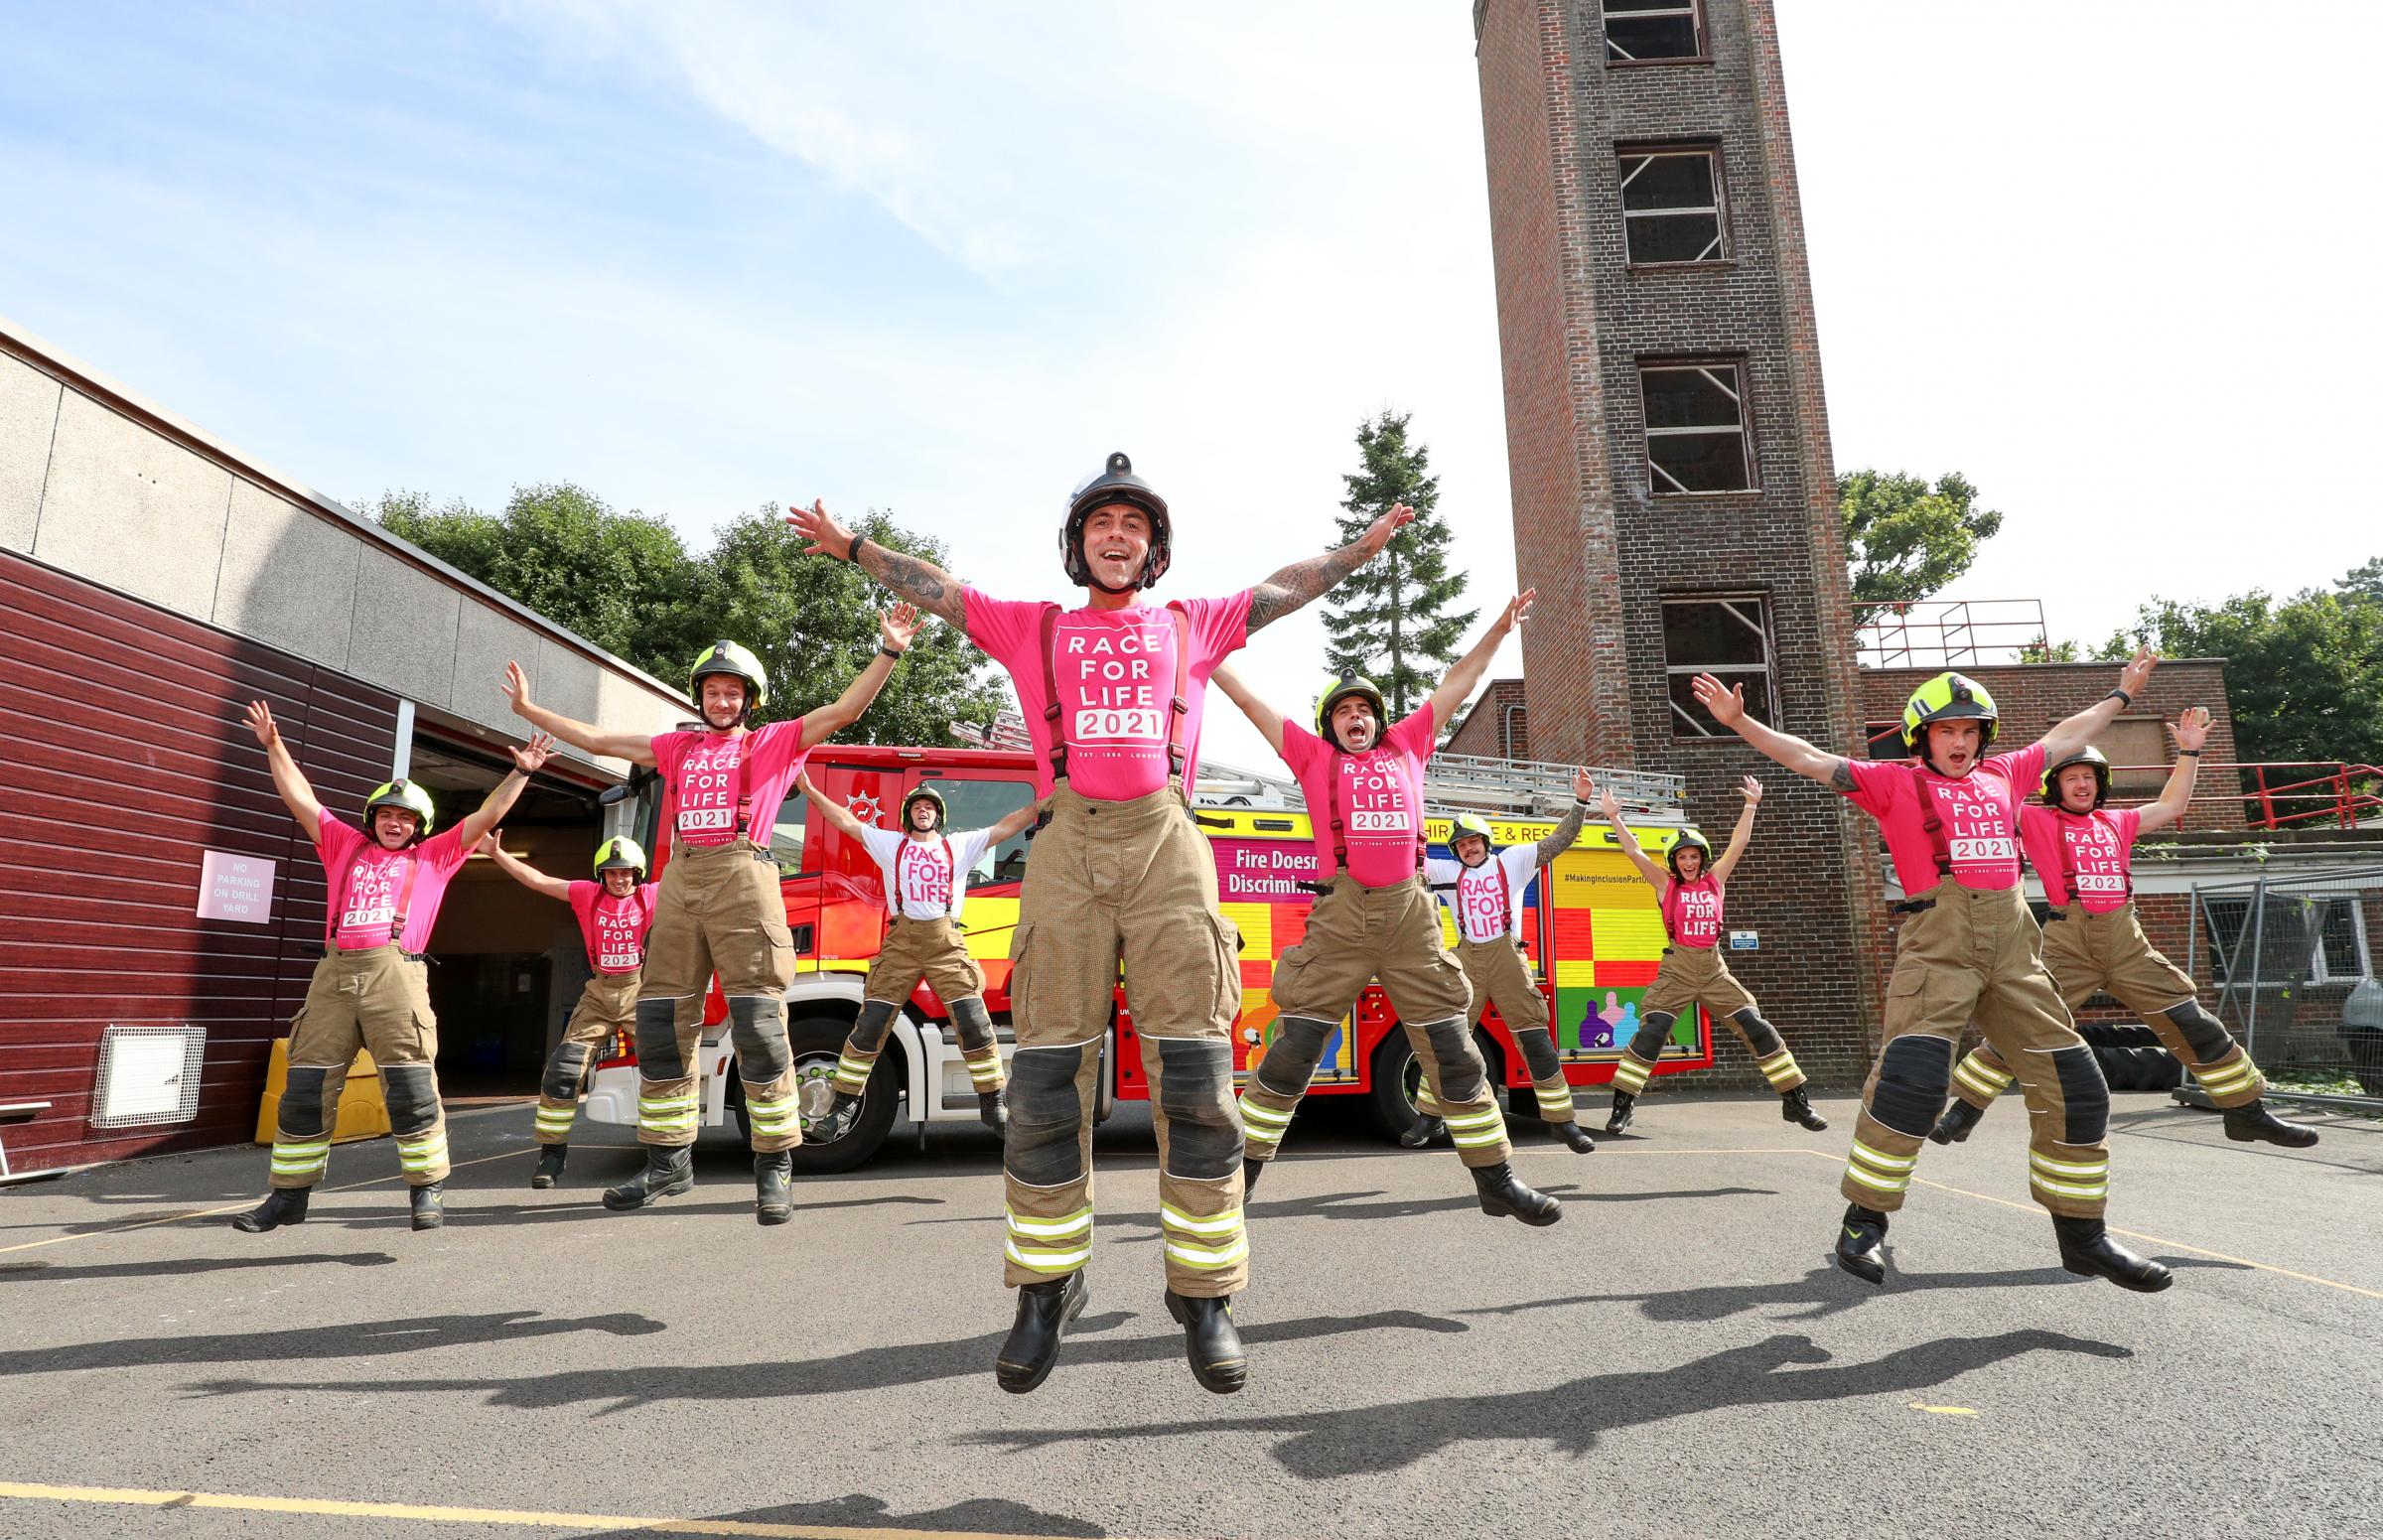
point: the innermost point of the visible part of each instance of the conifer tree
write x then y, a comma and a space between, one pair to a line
1389, 620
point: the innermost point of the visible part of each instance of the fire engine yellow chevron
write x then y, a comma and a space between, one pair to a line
1878, 1171
2084, 1181
1983, 1079
1059, 1245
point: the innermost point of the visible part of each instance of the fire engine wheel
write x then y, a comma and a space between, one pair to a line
832, 1144
1395, 1073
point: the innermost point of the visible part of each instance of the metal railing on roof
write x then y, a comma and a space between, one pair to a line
1516, 788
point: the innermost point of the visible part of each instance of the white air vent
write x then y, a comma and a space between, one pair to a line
148, 1074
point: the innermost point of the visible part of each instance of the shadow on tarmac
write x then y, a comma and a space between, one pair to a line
45, 1272
1352, 1206
872, 1368
977, 1515
352, 1339
469, 1214
1377, 1440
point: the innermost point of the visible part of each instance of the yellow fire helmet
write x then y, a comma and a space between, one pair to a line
1689, 839
404, 794
2085, 756
1472, 825
729, 657
618, 853
1342, 689
1949, 697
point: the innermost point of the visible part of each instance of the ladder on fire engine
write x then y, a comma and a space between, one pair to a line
1457, 782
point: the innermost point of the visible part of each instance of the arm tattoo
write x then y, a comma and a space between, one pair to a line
1560, 838
1841, 777
921, 581
1300, 583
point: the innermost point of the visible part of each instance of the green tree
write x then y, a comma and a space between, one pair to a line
1389, 619
1904, 538
2303, 676
2045, 650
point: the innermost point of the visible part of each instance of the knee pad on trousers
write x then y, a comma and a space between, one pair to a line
562, 1070
972, 1022
1462, 1073
2205, 1033
869, 1026
758, 1027
1290, 1063
1047, 1118
1914, 1075
411, 1092
1762, 1037
657, 1041
1196, 1091
1539, 1051
1654, 1030
301, 1114
2084, 1093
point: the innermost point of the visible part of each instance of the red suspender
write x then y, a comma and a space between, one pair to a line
1051, 692
1178, 710
1671, 910
1506, 897
2068, 861
743, 787
952, 866
405, 899
1933, 824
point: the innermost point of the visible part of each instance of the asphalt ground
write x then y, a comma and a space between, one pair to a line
1677, 1357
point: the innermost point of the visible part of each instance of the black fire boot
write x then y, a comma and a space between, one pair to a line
282, 1205
1504, 1195
429, 1209
1954, 1126
1251, 1171
2253, 1121
1796, 1108
1218, 1361
842, 1113
1861, 1243
773, 1204
550, 1166
2087, 1250
1424, 1131
993, 1112
1576, 1138
1619, 1118
669, 1171
1032, 1345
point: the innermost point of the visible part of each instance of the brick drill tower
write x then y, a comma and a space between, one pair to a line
1674, 499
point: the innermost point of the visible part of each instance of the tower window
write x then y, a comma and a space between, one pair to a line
1727, 636
1695, 428
1641, 32
1671, 206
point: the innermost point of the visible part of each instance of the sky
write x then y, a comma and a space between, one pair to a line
941, 258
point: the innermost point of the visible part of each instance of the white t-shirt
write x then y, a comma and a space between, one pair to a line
925, 879
1487, 899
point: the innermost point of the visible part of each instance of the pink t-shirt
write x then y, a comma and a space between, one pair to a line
366, 881
1115, 670
1378, 796
1692, 912
1978, 816
614, 929
699, 777
2100, 850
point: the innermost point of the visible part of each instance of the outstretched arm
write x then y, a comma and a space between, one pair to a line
2087, 725
1262, 716
2191, 731
838, 816
1657, 877
913, 578
632, 747
1015, 824
1568, 828
297, 793
1742, 835
894, 629
1457, 687
522, 872
1304, 582
526, 762
1727, 702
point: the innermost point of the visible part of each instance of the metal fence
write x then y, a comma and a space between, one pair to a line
2294, 963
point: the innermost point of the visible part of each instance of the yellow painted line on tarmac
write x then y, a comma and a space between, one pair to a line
246, 1202
1945, 1411
519, 1518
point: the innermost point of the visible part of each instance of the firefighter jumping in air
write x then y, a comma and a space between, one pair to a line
371, 990
1376, 918
720, 909
1693, 971
1484, 887
2093, 940
925, 870
1113, 692
1966, 952
615, 911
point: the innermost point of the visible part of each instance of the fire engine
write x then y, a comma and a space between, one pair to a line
1591, 926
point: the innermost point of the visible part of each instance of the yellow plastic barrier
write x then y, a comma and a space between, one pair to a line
362, 1114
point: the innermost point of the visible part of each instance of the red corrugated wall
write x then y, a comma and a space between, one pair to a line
123, 758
